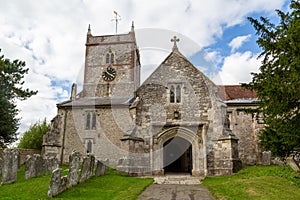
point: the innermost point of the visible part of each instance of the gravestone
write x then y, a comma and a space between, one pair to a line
11, 158
58, 184
292, 163
74, 164
87, 168
50, 164
100, 168
266, 158
34, 166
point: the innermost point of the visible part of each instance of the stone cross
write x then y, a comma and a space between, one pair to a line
174, 40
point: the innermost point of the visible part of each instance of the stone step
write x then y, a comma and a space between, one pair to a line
180, 180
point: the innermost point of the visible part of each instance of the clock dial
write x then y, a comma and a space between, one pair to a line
109, 74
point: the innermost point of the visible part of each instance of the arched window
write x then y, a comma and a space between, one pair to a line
178, 94
89, 146
94, 121
88, 121
172, 94
107, 58
112, 58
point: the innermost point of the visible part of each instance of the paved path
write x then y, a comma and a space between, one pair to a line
175, 192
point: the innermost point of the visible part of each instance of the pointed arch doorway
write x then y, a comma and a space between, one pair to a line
177, 156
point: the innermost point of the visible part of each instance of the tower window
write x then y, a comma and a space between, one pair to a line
110, 58
91, 120
175, 93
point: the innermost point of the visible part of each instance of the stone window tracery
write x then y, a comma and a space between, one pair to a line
110, 57
175, 93
91, 120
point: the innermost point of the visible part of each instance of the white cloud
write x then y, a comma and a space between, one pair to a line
237, 68
50, 35
237, 42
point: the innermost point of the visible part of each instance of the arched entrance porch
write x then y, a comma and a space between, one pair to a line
177, 155
191, 154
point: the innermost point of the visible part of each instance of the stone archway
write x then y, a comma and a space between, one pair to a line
197, 159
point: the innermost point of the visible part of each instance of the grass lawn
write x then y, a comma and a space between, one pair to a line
257, 182
111, 186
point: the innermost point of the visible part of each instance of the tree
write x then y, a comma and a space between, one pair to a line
33, 138
278, 83
11, 81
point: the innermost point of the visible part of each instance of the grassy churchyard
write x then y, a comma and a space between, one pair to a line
255, 182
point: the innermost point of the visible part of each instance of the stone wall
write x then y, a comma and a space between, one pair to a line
246, 127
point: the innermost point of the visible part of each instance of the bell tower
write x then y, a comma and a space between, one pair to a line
112, 65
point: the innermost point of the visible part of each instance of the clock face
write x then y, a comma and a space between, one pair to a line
109, 74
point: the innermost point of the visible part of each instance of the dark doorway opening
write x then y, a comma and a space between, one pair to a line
177, 156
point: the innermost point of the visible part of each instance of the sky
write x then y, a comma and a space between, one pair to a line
50, 37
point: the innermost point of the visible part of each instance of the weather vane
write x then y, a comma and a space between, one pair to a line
116, 19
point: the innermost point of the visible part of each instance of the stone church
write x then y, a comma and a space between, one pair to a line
177, 121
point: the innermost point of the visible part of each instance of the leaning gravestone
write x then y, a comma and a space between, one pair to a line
101, 168
266, 158
74, 164
34, 166
292, 163
10, 165
87, 168
58, 184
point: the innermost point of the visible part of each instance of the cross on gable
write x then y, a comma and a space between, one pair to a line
174, 40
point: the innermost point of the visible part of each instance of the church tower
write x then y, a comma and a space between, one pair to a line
112, 65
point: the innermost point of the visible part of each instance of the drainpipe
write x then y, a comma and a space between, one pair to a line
63, 139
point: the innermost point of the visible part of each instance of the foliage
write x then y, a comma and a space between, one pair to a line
257, 182
278, 83
11, 81
114, 185
33, 138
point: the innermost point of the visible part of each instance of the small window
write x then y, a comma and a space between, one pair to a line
107, 58
94, 121
175, 94
88, 121
112, 58
89, 146
178, 94
172, 95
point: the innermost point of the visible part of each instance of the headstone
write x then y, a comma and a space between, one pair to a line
34, 166
50, 164
74, 164
99, 168
87, 168
291, 162
58, 184
10, 165
266, 158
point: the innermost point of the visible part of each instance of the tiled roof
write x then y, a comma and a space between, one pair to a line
231, 92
